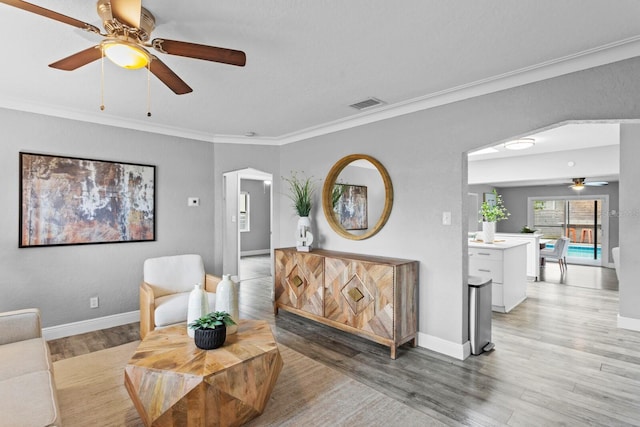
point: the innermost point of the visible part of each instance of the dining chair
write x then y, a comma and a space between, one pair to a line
559, 253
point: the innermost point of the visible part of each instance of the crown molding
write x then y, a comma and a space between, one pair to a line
602, 55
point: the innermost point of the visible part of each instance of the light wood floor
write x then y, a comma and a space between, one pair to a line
559, 357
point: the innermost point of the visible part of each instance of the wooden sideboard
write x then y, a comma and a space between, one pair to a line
373, 297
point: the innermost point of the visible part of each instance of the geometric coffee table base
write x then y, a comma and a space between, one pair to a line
173, 383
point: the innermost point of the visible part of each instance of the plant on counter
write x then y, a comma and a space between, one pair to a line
528, 230
494, 212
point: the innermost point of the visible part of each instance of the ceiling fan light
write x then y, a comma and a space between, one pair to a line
520, 144
578, 184
126, 55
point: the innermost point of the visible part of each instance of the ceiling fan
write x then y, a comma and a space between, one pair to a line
128, 28
579, 183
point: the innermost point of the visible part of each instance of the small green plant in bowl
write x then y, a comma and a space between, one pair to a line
211, 329
212, 321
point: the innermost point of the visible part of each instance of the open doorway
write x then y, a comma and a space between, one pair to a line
255, 228
247, 211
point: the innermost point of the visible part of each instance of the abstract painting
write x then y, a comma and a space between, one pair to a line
351, 207
71, 201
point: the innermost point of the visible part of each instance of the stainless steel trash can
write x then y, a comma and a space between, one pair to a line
480, 314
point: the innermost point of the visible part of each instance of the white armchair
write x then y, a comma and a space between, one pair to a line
164, 293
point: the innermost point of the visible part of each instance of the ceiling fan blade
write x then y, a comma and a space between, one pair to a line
168, 77
127, 11
50, 14
200, 51
596, 183
79, 59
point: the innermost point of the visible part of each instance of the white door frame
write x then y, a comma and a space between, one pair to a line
231, 226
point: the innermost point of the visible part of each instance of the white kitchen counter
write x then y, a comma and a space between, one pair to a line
505, 263
500, 244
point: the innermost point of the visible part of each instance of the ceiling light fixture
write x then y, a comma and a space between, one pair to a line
578, 184
520, 144
125, 54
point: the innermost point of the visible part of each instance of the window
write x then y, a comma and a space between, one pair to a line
243, 209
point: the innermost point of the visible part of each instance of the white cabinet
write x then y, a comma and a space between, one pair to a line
533, 250
506, 265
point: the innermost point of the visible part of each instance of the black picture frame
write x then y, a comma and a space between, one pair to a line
75, 201
352, 207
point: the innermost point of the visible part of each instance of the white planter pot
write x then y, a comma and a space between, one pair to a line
227, 300
304, 237
198, 306
489, 231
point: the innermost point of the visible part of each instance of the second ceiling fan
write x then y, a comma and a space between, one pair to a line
128, 28
579, 183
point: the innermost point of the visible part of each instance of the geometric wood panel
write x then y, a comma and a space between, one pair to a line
374, 297
346, 279
299, 281
173, 383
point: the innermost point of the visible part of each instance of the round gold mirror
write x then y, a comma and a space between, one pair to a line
357, 192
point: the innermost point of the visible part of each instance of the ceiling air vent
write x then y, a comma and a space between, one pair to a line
366, 104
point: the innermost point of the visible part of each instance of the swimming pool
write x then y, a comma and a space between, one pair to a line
580, 251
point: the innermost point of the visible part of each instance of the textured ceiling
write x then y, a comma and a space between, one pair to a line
307, 61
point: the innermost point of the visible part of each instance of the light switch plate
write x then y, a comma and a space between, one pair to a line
446, 218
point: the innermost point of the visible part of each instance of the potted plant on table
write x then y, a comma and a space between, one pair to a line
211, 329
492, 211
300, 192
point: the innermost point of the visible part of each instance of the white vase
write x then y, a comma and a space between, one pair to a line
198, 306
304, 237
227, 300
489, 231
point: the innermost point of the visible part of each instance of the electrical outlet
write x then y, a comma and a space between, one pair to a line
93, 302
193, 201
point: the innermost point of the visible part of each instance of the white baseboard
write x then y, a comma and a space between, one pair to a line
458, 351
255, 252
90, 325
628, 323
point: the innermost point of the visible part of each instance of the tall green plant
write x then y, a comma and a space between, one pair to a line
300, 192
494, 213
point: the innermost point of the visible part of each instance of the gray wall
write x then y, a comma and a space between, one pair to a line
629, 218
424, 153
60, 280
258, 238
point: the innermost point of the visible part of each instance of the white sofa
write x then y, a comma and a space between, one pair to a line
27, 389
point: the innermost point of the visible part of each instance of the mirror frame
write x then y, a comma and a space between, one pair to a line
327, 190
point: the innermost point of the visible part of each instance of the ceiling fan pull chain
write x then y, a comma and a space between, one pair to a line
149, 89
102, 81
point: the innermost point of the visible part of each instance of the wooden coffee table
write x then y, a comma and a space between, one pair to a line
174, 383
